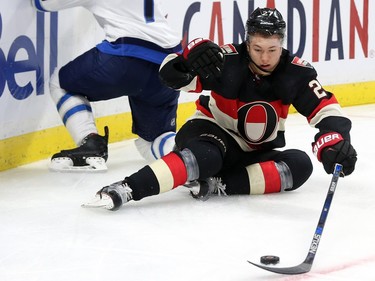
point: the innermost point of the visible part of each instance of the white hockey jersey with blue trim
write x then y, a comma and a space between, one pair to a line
123, 18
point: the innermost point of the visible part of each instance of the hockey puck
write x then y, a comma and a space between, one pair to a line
269, 259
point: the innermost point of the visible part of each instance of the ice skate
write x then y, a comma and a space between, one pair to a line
111, 197
90, 156
203, 189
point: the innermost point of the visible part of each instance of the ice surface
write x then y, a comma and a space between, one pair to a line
46, 236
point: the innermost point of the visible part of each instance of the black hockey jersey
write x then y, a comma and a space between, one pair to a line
254, 108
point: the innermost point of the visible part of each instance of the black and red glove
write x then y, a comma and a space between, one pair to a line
204, 58
331, 148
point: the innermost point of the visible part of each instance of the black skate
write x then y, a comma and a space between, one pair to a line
91, 155
203, 189
111, 197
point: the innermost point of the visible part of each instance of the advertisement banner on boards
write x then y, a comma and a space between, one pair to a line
336, 36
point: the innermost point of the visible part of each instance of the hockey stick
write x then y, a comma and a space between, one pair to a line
306, 265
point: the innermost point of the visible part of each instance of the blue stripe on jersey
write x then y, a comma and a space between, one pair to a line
39, 6
78, 108
149, 10
131, 47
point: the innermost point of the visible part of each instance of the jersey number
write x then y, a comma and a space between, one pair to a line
317, 89
149, 10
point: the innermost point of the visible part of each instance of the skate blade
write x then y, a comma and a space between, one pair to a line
65, 164
104, 202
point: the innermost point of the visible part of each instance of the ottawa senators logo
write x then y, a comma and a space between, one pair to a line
257, 122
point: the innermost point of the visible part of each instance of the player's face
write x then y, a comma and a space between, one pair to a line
265, 51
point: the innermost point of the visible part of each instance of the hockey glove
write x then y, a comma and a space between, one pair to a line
174, 72
204, 58
331, 148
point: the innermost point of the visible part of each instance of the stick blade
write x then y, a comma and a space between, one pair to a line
306, 265
293, 270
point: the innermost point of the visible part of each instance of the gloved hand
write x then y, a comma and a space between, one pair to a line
331, 148
204, 57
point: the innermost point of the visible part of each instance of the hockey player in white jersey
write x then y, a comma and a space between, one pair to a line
125, 63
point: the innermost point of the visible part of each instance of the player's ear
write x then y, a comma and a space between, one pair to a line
248, 46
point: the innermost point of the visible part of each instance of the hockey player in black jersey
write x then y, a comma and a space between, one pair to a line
232, 144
